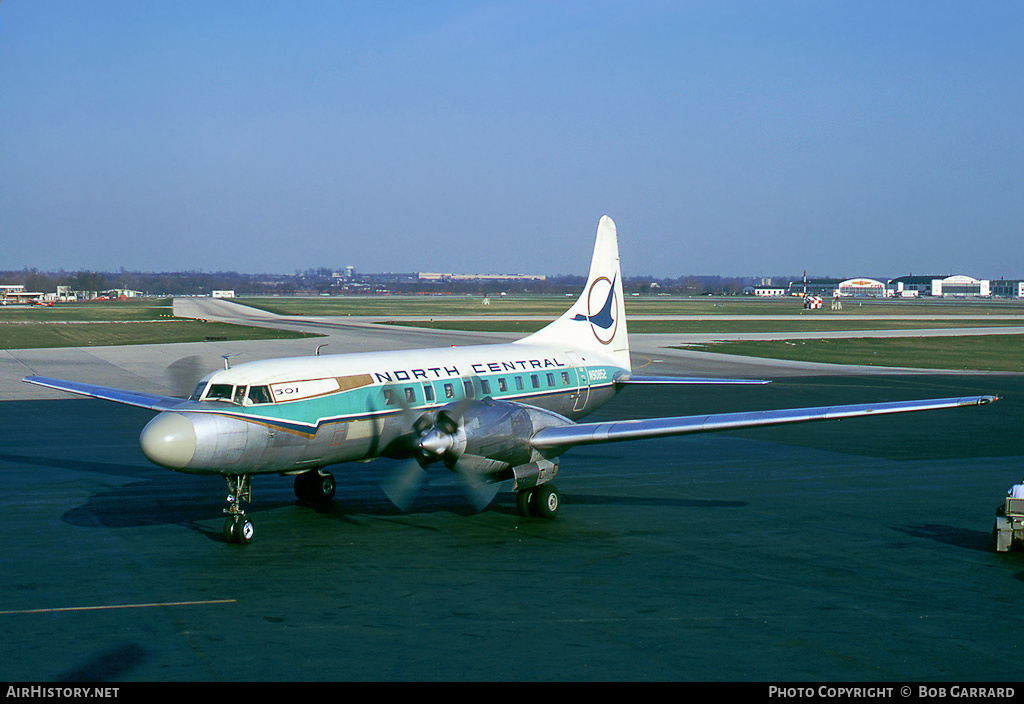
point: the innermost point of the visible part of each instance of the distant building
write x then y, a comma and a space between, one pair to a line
938, 286
911, 286
814, 287
428, 276
960, 286
222, 294
9, 293
1007, 289
862, 287
13, 294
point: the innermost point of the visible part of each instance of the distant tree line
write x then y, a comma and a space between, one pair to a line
322, 281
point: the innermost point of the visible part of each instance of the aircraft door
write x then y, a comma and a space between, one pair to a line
582, 394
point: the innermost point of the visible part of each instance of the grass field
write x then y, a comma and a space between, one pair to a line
132, 309
553, 306
129, 322
996, 353
668, 327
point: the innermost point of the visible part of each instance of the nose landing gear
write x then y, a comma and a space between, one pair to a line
238, 528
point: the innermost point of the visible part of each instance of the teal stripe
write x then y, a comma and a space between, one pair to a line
308, 415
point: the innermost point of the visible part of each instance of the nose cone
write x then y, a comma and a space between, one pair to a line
436, 443
169, 440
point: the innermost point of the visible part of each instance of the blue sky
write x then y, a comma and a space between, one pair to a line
736, 138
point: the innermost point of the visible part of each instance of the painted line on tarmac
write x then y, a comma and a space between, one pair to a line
116, 606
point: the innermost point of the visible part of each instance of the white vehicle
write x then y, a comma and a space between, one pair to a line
1009, 527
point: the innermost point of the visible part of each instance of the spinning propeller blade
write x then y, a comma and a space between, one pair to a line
184, 374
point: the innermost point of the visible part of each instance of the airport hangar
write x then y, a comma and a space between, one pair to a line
902, 287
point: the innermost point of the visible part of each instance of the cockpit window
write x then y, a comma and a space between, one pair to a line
259, 394
197, 394
220, 392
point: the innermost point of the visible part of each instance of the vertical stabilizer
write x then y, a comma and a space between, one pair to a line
597, 321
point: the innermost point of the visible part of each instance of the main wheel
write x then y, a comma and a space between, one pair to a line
546, 501
316, 486
524, 502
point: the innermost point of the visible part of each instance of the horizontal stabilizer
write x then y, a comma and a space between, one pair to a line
153, 402
563, 437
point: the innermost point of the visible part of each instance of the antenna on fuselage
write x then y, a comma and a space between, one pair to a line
318, 348
226, 357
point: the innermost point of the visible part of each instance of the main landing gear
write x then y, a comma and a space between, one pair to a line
314, 487
541, 501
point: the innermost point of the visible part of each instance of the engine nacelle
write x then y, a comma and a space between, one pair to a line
491, 437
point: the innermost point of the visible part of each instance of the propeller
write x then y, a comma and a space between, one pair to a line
184, 374
445, 441
403, 484
436, 437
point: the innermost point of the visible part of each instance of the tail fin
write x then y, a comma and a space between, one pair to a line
597, 321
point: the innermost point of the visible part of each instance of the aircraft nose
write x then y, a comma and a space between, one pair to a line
169, 440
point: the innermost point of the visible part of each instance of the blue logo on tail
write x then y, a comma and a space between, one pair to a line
604, 317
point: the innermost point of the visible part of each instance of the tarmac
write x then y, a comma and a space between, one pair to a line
853, 551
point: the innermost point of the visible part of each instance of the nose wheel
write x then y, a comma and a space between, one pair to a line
238, 528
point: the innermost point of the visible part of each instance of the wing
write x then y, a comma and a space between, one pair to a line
561, 438
631, 379
153, 402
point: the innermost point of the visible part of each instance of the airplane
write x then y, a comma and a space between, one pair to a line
491, 413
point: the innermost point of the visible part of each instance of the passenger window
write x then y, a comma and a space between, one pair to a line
449, 391
410, 394
565, 378
485, 386
502, 384
551, 379
519, 383
535, 381
389, 397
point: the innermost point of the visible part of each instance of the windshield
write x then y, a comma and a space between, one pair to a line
220, 392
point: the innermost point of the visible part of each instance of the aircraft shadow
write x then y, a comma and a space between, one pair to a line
978, 540
119, 469
111, 665
159, 497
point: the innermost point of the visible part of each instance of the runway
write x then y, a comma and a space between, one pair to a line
852, 551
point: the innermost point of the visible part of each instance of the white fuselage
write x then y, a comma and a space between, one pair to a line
292, 415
